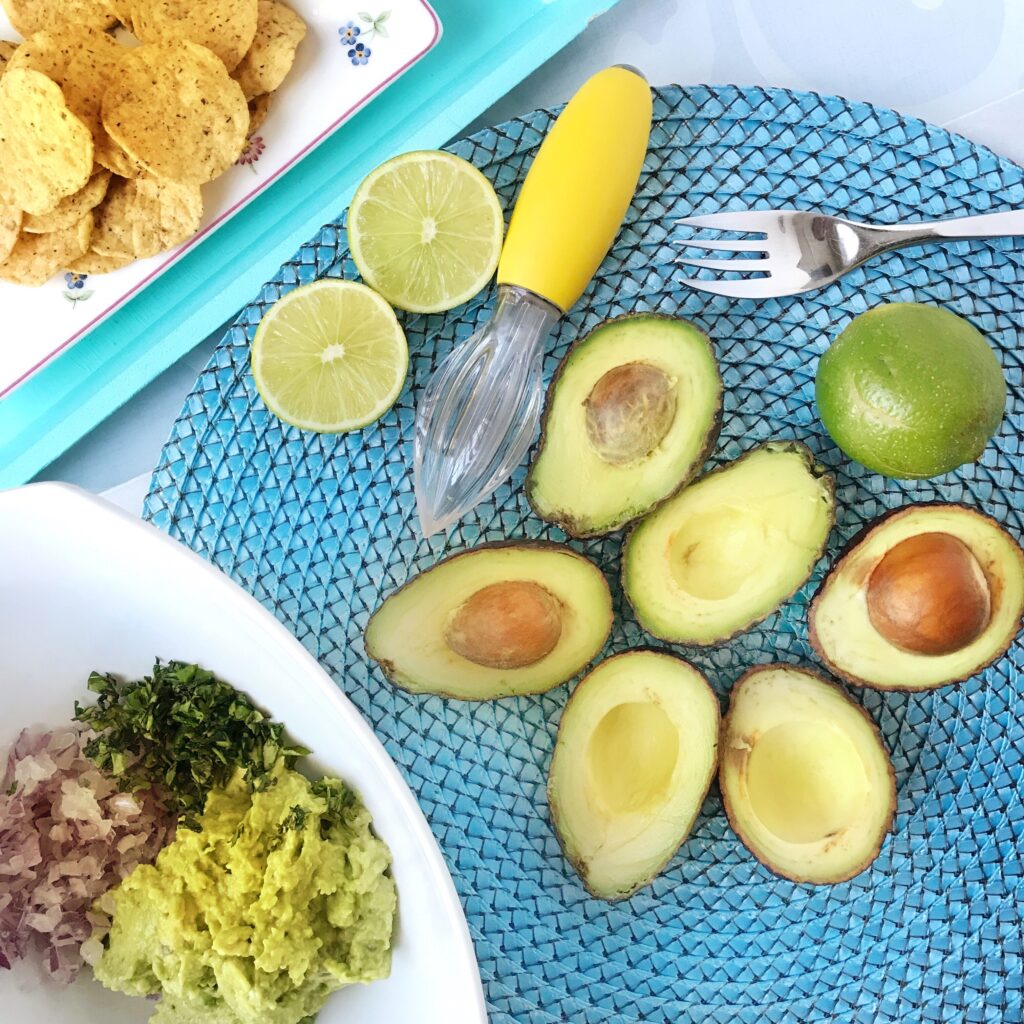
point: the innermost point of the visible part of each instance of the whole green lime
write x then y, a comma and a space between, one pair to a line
910, 390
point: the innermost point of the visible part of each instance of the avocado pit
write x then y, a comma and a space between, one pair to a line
506, 625
629, 412
929, 595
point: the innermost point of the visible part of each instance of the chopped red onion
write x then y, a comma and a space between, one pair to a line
66, 837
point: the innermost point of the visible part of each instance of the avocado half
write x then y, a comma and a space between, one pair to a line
926, 595
807, 783
500, 620
729, 549
630, 417
636, 752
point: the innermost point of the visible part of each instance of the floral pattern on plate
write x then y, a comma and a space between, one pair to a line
355, 37
251, 154
74, 288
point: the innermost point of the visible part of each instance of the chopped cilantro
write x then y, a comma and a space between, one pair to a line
182, 731
296, 819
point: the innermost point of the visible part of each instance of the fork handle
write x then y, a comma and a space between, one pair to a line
985, 225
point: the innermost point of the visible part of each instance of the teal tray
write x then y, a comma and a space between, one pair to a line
486, 49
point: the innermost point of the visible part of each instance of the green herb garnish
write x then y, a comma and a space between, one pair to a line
340, 802
182, 731
296, 819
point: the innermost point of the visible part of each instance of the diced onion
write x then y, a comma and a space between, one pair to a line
66, 837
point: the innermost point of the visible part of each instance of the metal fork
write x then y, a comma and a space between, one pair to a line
801, 251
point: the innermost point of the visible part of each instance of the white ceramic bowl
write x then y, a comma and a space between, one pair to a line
84, 586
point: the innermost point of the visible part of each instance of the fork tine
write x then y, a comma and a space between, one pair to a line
751, 288
740, 264
725, 244
746, 221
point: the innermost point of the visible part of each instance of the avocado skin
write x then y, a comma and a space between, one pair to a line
851, 545
579, 866
819, 471
541, 545
563, 520
727, 803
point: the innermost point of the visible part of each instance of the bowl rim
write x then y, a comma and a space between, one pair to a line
56, 499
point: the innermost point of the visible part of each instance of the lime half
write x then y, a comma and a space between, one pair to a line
330, 357
425, 231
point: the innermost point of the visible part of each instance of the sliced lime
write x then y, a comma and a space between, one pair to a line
425, 231
330, 357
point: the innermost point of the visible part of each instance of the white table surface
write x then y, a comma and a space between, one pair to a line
953, 62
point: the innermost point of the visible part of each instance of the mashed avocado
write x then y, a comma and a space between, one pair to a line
281, 899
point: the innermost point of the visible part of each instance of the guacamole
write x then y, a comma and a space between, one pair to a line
280, 899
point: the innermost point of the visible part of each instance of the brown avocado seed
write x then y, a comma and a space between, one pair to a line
629, 412
506, 625
929, 595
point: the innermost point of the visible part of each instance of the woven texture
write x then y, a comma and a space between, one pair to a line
321, 528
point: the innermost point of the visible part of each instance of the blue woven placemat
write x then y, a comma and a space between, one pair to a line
321, 528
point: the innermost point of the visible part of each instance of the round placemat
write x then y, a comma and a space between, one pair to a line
321, 528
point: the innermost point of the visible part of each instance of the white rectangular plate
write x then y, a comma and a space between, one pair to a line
87, 586
325, 88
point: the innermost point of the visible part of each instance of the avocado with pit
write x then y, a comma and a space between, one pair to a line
497, 621
729, 549
805, 778
630, 417
926, 595
636, 752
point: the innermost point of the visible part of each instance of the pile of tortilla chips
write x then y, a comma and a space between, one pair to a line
104, 146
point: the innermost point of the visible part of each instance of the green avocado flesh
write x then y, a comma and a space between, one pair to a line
630, 417
851, 646
807, 784
636, 752
497, 621
729, 549
256, 919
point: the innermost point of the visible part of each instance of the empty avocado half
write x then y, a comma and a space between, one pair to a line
926, 595
806, 782
630, 417
497, 621
636, 752
729, 549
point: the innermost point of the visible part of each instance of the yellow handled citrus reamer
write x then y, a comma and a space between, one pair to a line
481, 409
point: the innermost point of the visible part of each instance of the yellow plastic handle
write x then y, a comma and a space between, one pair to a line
578, 190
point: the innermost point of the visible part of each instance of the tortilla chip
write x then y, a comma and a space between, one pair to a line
117, 161
28, 16
95, 263
259, 107
165, 215
151, 111
268, 61
144, 216
7, 51
225, 26
36, 258
71, 209
46, 153
10, 227
113, 233
82, 62
121, 12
